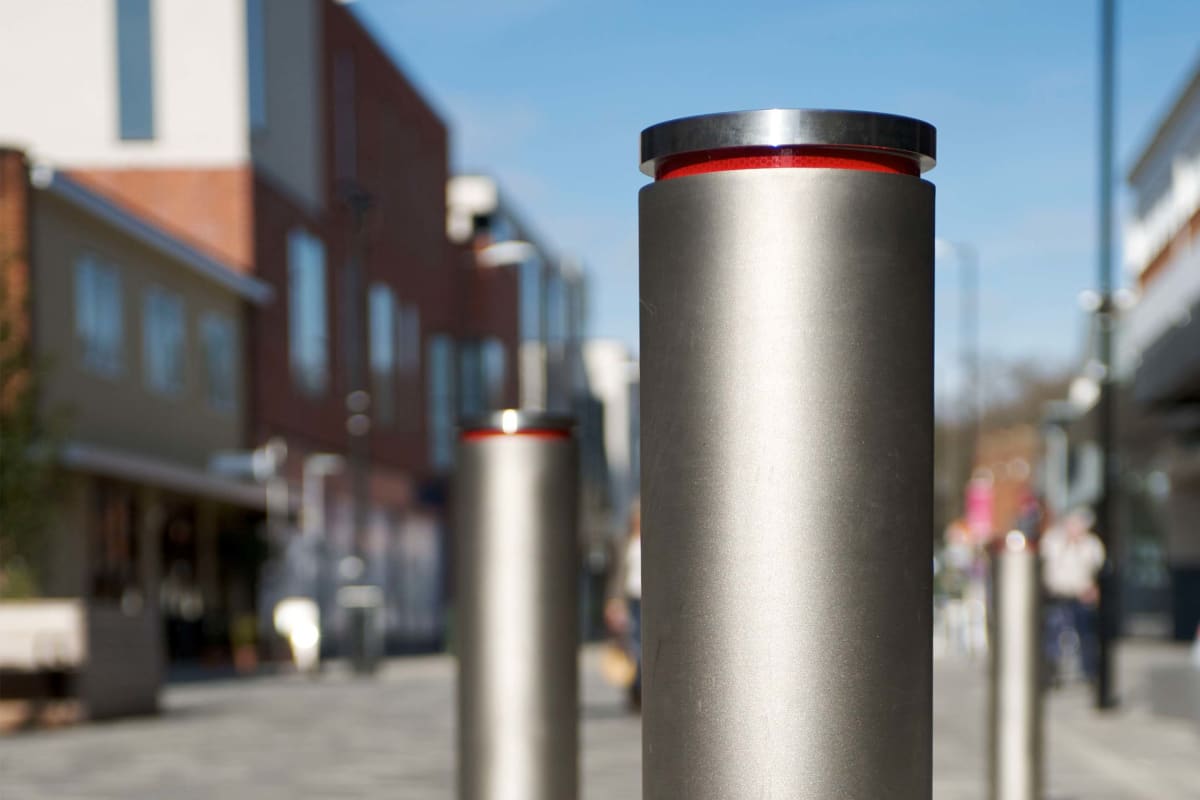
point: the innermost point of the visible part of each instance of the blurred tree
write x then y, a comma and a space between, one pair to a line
28, 478
1012, 393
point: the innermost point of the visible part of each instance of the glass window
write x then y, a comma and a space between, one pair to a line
470, 379
256, 64
530, 289
114, 546
163, 336
494, 366
345, 131
382, 310
408, 347
408, 364
441, 400
99, 317
308, 323
219, 340
135, 70
556, 307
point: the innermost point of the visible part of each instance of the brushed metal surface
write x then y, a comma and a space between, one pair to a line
517, 613
780, 127
515, 420
786, 344
1016, 712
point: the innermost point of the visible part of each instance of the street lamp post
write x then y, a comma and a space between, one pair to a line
1105, 522
317, 466
358, 398
969, 357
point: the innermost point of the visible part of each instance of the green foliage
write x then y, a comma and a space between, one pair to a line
28, 478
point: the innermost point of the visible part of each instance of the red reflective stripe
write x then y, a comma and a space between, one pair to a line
735, 158
535, 433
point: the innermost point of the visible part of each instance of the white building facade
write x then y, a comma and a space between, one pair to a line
1158, 344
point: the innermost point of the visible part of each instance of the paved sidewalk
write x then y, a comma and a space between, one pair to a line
1128, 754
339, 737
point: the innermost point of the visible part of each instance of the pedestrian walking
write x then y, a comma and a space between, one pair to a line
623, 611
1072, 556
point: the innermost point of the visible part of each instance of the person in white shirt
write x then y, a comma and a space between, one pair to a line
1072, 557
624, 608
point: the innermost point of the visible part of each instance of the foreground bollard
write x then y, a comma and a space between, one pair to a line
1015, 760
787, 347
517, 608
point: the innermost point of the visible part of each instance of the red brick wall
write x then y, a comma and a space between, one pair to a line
402, 164
209, 208
242, 218
15, 312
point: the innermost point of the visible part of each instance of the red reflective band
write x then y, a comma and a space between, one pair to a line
735, 158
535, 433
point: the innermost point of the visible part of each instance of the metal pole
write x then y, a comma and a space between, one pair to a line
1105, 519
358, 423
518, 685
1015, 761
969, 264
787, 372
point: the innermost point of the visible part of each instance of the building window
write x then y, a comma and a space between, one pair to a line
163, 336
408, 364
408, 346
470, 379
308, 324
114, 546
530, 299
494, 363
441, 401
256, 64
219, 340
135, 69
382, 343
99, 317
481, 367
345, 129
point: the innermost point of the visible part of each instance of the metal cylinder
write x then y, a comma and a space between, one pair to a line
516, 573
786, 345
1015, 761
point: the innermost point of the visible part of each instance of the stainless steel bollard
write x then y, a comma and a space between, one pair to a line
516, 581
1015, 760
787, 348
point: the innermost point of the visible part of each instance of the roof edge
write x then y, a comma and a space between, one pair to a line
71, 191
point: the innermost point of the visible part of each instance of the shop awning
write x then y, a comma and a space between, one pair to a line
137, 468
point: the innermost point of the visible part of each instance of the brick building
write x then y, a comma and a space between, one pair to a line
278, 137
129, 343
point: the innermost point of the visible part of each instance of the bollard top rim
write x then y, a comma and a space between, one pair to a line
867, 131
516, 421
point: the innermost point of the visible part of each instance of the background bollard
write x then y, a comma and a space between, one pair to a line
787, 348
1015, 760
517, 568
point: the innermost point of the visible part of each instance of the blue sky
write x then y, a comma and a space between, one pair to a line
550, 96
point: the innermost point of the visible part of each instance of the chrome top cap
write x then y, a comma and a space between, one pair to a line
790, 127
514, 420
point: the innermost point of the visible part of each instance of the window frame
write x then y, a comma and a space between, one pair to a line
88, 336
134, 50
313, 380
256, 66
208, 323
155, 338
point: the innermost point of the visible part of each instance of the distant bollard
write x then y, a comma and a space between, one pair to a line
1015, 757
787, 440
517, 606
363, 605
